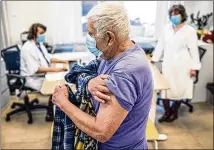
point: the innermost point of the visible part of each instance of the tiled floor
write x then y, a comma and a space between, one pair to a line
190, 131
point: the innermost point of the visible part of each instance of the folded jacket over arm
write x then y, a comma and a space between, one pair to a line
66, 136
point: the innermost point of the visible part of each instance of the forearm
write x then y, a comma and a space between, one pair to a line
159, 50
45, 70
83, 121
55, 60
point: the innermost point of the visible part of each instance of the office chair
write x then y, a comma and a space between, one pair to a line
148, 48
23, 37
15, 81
202, 51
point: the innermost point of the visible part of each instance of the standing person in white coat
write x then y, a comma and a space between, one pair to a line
179, 49
36, 62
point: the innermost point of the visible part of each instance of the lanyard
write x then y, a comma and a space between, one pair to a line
43, 55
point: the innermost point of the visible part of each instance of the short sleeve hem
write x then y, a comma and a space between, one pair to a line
127, 106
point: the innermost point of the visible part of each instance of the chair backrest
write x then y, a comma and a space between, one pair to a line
24, 36
148, 48
11, 56
202, 51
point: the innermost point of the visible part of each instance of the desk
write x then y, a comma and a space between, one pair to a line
49, 86
71, 56
160, 83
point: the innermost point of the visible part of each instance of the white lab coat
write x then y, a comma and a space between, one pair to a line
180, 54
31, 60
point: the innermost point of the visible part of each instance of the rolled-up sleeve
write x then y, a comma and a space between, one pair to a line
123, 89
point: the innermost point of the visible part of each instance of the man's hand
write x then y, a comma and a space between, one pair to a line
60, 96
97, 87
192, 73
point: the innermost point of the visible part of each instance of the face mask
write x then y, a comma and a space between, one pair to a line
91, 45
41, 38
176, 20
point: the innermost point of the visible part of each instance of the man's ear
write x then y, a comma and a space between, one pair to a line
111, 39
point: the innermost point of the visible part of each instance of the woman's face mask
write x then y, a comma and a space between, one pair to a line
176, 20
41, 38
91, 45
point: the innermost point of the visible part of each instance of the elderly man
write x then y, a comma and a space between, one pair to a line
122, 93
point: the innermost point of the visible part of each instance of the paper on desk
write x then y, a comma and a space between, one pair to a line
59, 66
55, 76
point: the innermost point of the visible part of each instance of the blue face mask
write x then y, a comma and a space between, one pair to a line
41, 38
91, 45
176, 20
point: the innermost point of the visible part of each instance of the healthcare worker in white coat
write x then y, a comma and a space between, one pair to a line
179, 50
35, 60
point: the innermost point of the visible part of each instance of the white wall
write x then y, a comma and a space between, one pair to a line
63, 19
21, 14
206, 72
203, 6
189, 5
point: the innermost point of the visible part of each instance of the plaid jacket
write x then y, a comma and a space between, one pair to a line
66, 136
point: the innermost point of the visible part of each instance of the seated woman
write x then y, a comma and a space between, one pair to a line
35, 60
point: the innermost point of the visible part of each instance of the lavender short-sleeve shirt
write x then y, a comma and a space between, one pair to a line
132, 84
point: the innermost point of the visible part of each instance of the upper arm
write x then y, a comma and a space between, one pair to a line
112, 113
31, 61
109, 118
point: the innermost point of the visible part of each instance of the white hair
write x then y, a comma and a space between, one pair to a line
107, 16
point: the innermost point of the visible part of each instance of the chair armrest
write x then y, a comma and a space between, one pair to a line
19, 82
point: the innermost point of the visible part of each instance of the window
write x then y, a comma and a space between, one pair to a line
86, 7
142, 15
